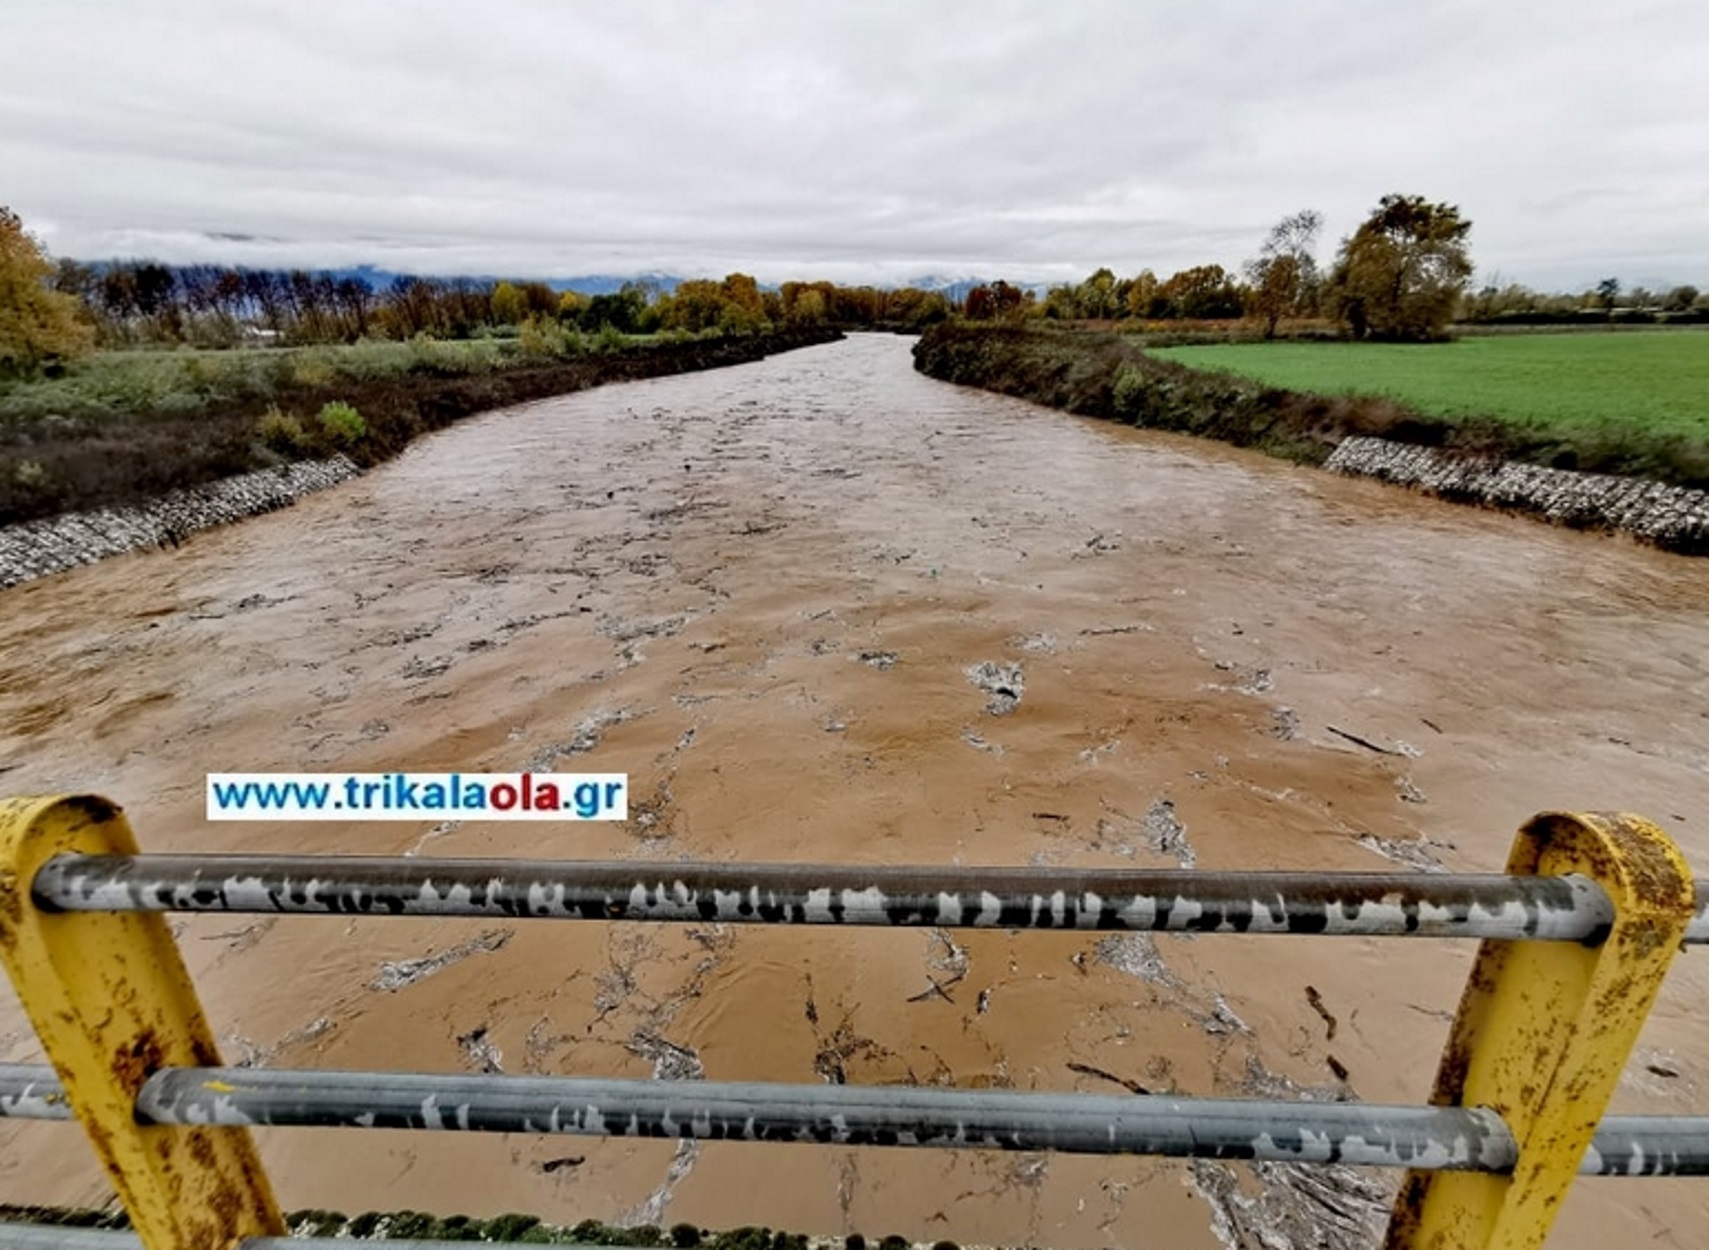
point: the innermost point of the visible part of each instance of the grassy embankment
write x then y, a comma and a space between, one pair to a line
1628, 403
129, 425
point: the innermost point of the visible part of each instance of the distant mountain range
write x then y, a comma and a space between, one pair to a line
607, 284
587, 284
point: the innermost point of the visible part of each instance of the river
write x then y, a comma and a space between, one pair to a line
759, 592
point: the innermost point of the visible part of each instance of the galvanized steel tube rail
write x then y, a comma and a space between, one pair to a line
1567, 908
1425, 1138
32, 1091
1649, 1145
1300, 1132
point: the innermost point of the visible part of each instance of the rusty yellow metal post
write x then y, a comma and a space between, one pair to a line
112, 1002
1544, 1030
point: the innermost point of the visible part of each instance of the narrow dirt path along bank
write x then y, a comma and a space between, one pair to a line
823, 608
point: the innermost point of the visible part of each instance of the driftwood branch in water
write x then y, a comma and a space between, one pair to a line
1364, 742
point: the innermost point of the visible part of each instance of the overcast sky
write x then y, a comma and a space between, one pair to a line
869, 141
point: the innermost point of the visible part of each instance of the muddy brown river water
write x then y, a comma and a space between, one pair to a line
759, 592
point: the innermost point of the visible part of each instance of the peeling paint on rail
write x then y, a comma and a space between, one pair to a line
1422, 1138
1566, 908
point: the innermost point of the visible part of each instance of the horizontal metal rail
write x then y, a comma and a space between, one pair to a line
1421, 1138
1566, 908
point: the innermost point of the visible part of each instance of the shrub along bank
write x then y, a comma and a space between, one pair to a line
1100, 374
1110, 375
65, 451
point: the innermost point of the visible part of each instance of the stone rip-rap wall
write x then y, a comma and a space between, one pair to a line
37, 548
1673, 517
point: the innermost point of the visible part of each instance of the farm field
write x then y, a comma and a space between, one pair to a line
1611, 383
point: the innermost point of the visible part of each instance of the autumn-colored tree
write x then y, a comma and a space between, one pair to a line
803, 305
1095, 298
1284, 277
695, 305
998, 301
1059, 304
744, 307
1201, 293
39, 326
916, 309
806, 303
1401, 274
856, 305
1010, 302
571, 305
1142, 294
509, 305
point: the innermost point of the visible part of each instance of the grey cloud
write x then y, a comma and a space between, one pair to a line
852, 140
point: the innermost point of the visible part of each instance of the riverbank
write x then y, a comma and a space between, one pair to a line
116, 514
32, 549
1475, 460
1628, 402
1674, 518
64, 450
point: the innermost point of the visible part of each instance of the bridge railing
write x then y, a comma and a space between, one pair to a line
1577, 936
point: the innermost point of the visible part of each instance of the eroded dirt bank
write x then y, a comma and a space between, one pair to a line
765, 593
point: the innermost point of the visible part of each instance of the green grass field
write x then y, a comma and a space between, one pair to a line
1569, 384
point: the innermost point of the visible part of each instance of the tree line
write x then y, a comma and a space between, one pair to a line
1400, 275
148, 302
1403, 274
51, 312
1515, 303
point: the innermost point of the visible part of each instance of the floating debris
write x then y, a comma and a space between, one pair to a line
1167, 835
395, 976
622, 629
1418, 854
1136, 954
1100, 631
1222, 1018
670, 1063
1399, 748
1005, 683
478, 1048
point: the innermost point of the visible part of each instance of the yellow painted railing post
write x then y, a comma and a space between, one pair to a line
112, 1002
1544, 1030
